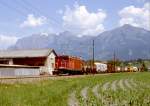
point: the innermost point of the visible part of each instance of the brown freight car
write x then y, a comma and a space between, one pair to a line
68, 65
111, 68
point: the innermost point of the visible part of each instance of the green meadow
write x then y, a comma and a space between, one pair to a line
118, 89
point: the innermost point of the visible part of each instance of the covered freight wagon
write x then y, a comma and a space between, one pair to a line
100, 67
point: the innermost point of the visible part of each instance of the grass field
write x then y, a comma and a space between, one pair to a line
122, 89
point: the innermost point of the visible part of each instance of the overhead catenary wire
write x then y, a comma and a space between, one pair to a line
29, 7
12, 8
40, 12
33, 7
53, 20
93, 53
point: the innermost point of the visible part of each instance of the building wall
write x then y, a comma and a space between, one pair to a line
4, 61
35, 61
12, 72
50, 63
32, 61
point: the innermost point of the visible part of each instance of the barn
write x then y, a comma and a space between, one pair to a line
33, 62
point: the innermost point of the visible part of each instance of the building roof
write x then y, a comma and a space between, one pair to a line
25, 53
17, 66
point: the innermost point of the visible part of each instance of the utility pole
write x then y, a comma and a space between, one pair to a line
114, 61
93, 54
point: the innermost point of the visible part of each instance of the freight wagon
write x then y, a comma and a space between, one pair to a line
101, 67
68, 65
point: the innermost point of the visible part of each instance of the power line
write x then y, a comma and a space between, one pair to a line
32, 8
21, 4
29, 7
12, 8
114, 61
40, 12
93, 53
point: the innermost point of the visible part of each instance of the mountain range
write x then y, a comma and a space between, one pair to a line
127, 42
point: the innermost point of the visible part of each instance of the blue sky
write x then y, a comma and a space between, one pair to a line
21, 18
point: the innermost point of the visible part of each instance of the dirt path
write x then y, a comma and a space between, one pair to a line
72, 101
105, 86
114, 85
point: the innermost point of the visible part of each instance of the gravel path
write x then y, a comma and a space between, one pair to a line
72, 101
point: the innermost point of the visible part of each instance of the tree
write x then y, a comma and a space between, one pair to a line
139, 60
143, 67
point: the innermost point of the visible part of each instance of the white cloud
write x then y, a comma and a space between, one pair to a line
44, 34
33, 21
7, 41
136, 16
82, 22
140, 0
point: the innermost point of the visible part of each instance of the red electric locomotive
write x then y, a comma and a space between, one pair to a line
68, 65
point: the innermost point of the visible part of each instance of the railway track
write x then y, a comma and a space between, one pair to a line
22, 79
52, 76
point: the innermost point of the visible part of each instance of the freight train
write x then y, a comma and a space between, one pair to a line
72, 65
